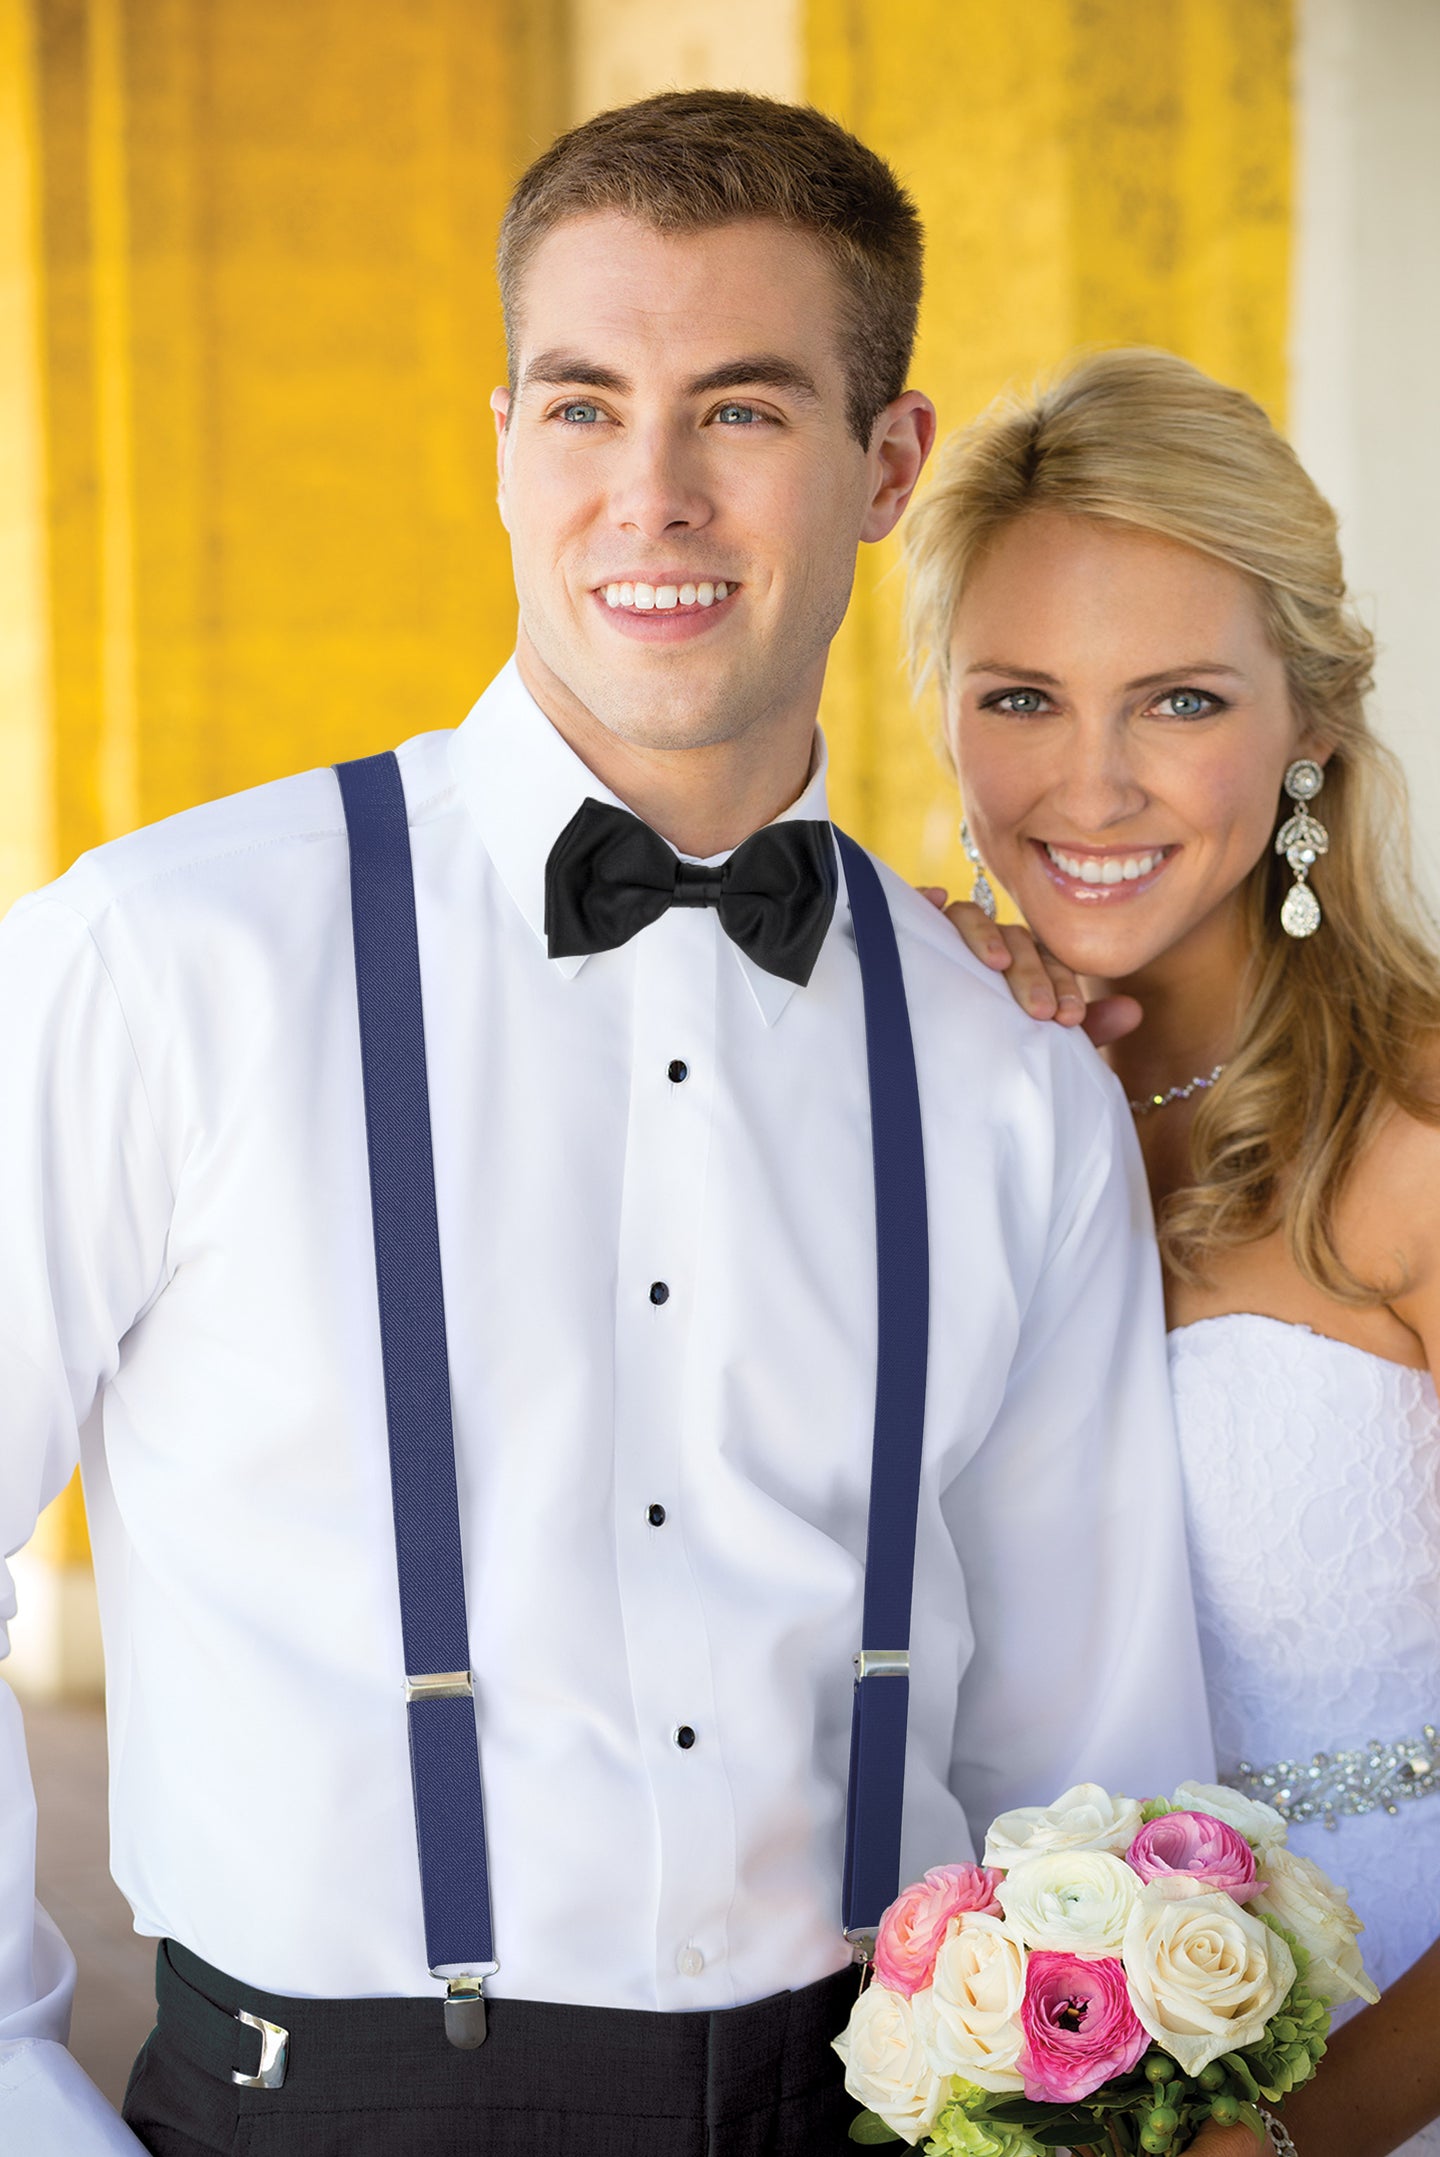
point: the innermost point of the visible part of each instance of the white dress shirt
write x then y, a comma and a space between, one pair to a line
187, 1300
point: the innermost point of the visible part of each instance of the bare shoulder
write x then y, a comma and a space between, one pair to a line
1388, 1220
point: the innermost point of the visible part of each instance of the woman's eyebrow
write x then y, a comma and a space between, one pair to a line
1141, 681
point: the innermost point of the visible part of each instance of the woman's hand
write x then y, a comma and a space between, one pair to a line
1241, 2141
1037, 980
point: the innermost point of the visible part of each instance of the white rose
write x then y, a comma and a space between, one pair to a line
1260, 1824
886, 2067
1299, 1896
1076, 1902
968, 2017
1082, 1818
1205, 1976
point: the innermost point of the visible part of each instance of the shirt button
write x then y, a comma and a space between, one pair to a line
684, 1737
689, 1962
678, 1072
655, 1514
659, 1292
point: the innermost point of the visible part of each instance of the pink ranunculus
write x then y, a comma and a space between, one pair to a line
1195, 1846
1080, 2029
912, 1931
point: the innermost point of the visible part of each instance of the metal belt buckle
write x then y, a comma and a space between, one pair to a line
274, 2045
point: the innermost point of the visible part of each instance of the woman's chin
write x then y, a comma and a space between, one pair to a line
1105, 948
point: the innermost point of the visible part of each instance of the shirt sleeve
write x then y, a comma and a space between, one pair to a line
1069, 1521
85, 1207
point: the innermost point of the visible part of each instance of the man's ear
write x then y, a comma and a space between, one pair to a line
901, 440
500, 406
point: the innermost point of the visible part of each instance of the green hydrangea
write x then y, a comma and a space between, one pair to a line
962, 2129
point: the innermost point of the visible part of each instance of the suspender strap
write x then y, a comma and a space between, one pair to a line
902, 1252
444, 1747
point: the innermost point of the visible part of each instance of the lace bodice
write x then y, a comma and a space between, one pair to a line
1312, 1478
1312, 1483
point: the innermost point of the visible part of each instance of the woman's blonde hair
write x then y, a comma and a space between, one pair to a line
1333, 1028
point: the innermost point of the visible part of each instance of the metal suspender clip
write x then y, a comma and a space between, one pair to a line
441, 1685
465, 2012
883, 1663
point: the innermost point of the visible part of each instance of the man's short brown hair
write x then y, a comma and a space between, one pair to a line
689, 160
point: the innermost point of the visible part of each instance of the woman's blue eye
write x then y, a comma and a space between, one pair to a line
1023, 701
1187, 704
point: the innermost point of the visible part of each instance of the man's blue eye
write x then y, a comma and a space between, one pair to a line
742, 415
580, 415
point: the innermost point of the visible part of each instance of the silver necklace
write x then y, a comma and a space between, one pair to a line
1198, 1084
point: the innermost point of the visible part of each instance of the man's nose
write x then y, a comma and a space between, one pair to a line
658, 487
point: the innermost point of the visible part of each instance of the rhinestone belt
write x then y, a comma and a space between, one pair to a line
1367, 1778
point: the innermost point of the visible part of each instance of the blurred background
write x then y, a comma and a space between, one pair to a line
248, 332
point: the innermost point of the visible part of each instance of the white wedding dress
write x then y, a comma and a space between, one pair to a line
1312, 1477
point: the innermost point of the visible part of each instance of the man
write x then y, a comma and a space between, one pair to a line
657, 1221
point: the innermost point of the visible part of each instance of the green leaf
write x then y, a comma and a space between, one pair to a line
869, 2127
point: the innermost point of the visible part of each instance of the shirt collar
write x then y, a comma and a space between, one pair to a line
521, 783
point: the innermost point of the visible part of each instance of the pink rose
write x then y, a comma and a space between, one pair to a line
912, 1931
1196, 1846
1079, 2026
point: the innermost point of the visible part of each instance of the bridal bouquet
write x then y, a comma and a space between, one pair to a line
1113, 1975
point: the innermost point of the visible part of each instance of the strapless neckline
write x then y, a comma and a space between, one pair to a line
1306, 1333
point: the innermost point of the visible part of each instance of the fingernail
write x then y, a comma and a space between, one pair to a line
997, 953
1040, 1000
1072, 1003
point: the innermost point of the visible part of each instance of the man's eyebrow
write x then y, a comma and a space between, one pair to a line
560, 369
566, 370
758, 370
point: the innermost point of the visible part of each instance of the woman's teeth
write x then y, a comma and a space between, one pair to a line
1113, 869
662, 597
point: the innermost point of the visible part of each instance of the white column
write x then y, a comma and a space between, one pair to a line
1365, 414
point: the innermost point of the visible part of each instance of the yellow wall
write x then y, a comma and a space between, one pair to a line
268, 335
25, 717
1089, 171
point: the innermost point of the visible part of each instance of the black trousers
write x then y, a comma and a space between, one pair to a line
377, 2078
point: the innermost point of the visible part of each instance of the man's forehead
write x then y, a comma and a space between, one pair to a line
605, 286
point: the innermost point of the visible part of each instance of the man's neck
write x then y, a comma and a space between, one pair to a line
703, 800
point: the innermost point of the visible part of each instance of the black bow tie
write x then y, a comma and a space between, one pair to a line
609, 875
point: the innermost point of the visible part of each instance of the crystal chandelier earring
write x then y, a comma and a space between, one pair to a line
1302, 839
981, 894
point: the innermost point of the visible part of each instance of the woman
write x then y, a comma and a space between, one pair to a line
1132, 595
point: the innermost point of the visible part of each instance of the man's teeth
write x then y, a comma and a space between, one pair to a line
661, 598
1113, 869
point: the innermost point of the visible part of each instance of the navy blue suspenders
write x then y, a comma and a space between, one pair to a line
444, 1742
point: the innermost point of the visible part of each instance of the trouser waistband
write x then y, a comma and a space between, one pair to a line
364, 2052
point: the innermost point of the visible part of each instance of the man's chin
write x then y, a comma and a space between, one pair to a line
666, 726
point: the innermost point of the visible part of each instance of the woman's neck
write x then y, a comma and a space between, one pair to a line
1191, 997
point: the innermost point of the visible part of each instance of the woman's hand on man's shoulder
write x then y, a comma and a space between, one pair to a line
1039, 982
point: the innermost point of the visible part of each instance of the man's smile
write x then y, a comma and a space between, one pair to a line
665, 609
